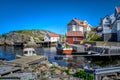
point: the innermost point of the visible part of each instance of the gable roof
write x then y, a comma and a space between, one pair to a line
80, 22
74, 33
53, 34
118, 9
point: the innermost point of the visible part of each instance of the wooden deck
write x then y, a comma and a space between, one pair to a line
28, 60
19, 64
6, 69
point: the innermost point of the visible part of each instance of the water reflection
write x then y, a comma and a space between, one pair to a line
7, 53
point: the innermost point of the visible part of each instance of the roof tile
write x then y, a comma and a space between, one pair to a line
53, 35
80, 22
118, 9
74, 33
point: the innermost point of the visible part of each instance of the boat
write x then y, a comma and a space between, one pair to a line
29, 52
62, 49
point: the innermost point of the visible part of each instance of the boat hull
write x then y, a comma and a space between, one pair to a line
62, 49
65, 51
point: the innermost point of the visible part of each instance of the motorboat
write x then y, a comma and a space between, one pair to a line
62, 49
29, 52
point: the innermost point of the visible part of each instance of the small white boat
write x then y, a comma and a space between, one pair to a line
29, 52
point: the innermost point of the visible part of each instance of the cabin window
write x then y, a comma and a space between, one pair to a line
33, 51
25, 52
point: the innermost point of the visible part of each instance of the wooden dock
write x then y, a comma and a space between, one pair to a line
26, 61
40, 43
95, 50
12, 66
7, 69
92, 54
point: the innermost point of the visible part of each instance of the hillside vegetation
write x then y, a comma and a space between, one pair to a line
23, 35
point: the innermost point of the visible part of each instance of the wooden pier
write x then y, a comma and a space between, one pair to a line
40, 43
95, 50
44, 43
18, 44
26, 61
7, 69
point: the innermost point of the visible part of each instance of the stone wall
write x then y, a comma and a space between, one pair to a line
110, 36
108, 44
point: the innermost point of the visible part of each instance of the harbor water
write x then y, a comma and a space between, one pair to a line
10, 52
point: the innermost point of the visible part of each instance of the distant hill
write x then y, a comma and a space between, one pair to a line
23, 35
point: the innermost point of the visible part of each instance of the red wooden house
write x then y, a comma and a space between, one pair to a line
74, 36
76, 29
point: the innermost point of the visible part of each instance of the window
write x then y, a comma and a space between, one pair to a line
77, 28
69, 28
74, 39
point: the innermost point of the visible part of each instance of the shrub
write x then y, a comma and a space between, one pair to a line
95, 38
83, 75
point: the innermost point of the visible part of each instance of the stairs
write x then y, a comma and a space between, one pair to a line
90, 36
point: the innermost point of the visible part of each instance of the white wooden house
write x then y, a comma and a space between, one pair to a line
76, 29
78, 25
111, 26
52, 37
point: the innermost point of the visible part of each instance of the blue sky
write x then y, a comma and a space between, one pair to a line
51, 15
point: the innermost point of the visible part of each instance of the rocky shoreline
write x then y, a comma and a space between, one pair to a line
48, 71
52, 71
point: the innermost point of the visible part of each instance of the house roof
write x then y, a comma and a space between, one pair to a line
118, 9
80, 22
74, 33
53, 34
